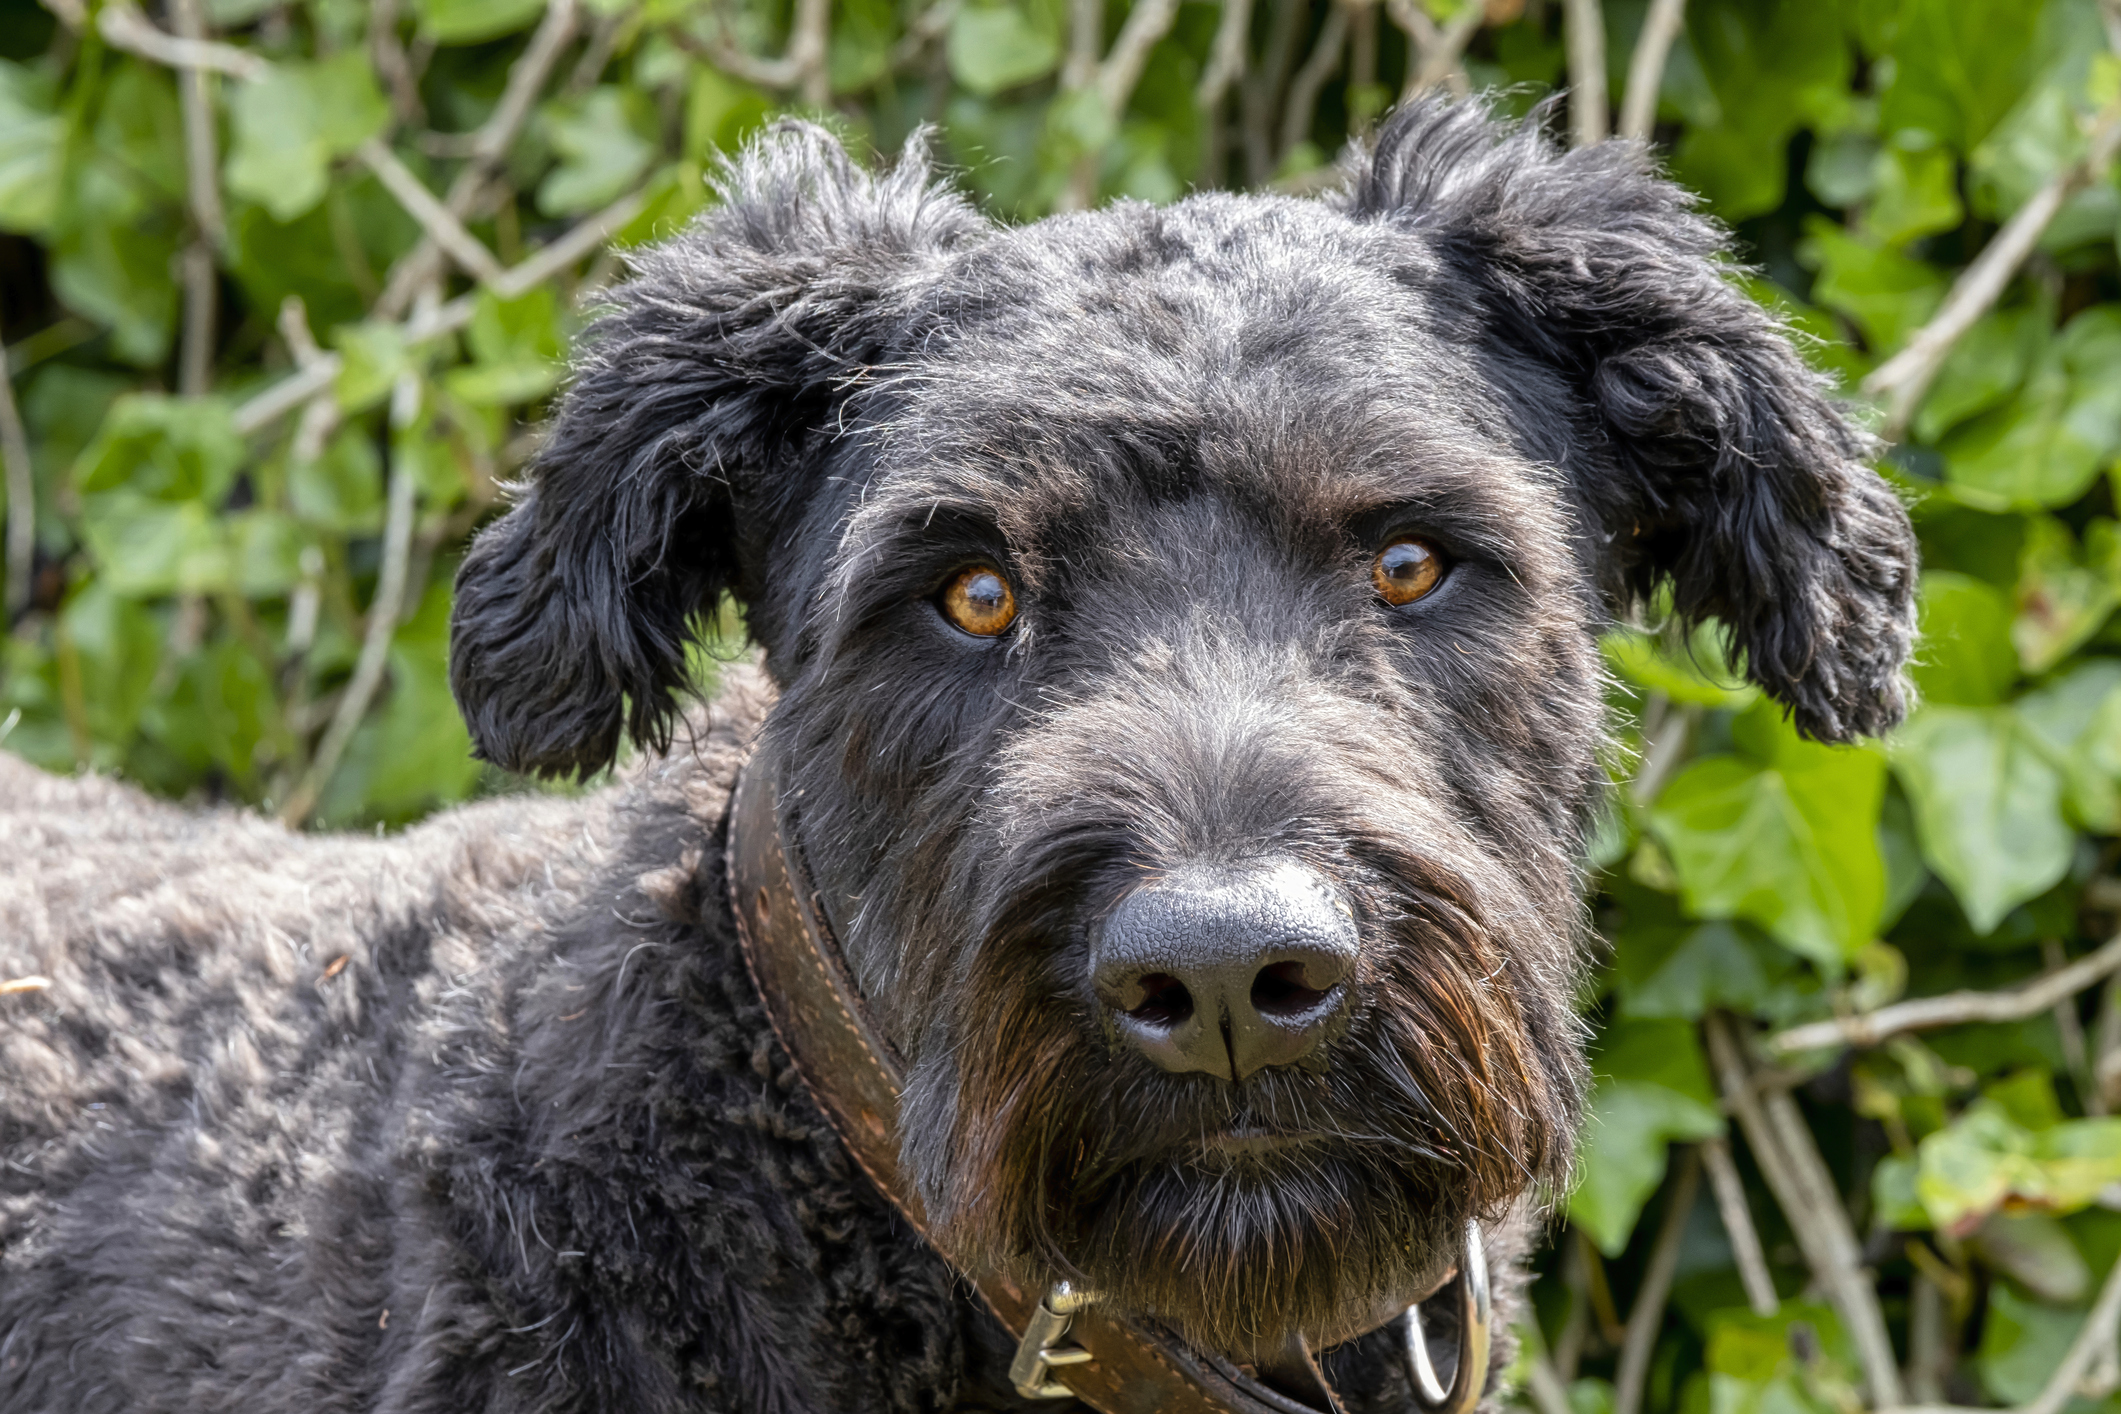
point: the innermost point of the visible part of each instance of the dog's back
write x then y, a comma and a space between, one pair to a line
197, 1053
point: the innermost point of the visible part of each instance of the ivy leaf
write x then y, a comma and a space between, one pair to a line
2076, 720
1965, 655
992, 47
1984, 369
1788, 841
602, 150
1652, 1089
145, 547
517, 345
2050, 442
341, 490
1984, 1159
2063, 598
1889, 295
1987, 805
1697, 675
32, 147
171, 449
1958, 66
475, 21
291, 123
1915, 192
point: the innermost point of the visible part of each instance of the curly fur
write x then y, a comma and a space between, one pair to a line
488, 1116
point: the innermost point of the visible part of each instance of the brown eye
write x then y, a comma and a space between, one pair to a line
979, 601
1405, 570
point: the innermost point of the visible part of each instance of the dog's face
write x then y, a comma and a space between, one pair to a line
1187, 628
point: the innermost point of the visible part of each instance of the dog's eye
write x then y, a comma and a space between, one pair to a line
1405, 570
979, 601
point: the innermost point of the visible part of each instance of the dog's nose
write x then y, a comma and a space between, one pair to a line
1227, 971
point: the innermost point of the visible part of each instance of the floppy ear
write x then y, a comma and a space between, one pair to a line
1716, 462
688, 435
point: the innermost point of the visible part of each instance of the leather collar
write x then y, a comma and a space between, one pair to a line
1116, 1366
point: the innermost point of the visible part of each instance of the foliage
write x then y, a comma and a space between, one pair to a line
209, 611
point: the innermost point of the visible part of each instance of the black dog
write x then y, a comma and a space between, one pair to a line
1183, 630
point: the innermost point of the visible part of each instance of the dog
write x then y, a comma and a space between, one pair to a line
1182, 693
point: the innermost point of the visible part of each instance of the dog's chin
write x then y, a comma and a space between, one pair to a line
1244, 1238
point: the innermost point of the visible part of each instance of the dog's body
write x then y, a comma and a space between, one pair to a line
1183, 626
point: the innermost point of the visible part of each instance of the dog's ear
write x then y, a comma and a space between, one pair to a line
1711, 458
684, 443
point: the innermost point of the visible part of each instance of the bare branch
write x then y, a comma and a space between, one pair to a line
1790, 1162
1226, 56
21, 496
1584, 24
419, 266
1646, 1318
1907, 375
388, 55
1086, 36
1638, 110
1146, 24
383, 613
1550, 1395
1301, 106
202, 286
442, 227
1951, 1009
124, 27
927, 27
542, 264
1663, 748
1738, 1226
1437, 49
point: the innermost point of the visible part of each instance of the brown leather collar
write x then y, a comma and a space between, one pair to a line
1116, 1366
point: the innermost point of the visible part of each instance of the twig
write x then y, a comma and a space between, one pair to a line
1549, 1394
1783, 1149
1226, 55
1737, 1216
1926, 1357
383, 612
803, 66
124, 27
1301, 106
1438, 48
1262, 88
1663, 750
418, 267
1951, 1009
1112, 80
2096, 1333
2076, 1056
1086, 37
1638, 109
1584, 24
441, 225
388, 55
21, 497
202, 290
1902, 379
927, 27
1646, 1317
540, 265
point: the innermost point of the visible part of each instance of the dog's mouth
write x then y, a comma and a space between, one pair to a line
1241, 1141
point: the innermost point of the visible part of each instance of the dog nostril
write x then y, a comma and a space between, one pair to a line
1165, 1000
1280, 989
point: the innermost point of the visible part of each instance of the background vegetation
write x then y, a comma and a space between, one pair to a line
285, 285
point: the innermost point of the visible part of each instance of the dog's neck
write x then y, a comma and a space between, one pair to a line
854, 1074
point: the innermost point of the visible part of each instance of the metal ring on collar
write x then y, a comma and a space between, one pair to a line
1470, 1380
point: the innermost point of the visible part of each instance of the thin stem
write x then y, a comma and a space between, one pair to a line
1951, 1009
1646, 1318
438, 221
1907, 375
1638, 110
383, 614
124, 27
21, 497
1301, 108
202, 290
2097, 1332
1226, 55
1584, 23
1737, 1216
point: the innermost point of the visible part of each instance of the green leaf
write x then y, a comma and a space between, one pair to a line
2076, 721
720, 113
1988, 807
2064, 598
2034, 1250
173, 449
1915, 193
1771, 68
111, 258
2050, 442
265, 548
1984, 369
1887, 294
342, 490
1894, 1197
602, 148
1790, 842
475, 21
373, 357
1652, 1089
1686, 972
992, 46
32, 147
1958, 67
291, 123
1695, 672
1964, 656
2022, 1344
145, 547
118, 646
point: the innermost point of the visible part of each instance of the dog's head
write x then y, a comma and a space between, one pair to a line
1186, 620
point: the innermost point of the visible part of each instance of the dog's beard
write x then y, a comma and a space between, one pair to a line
1069, 1159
